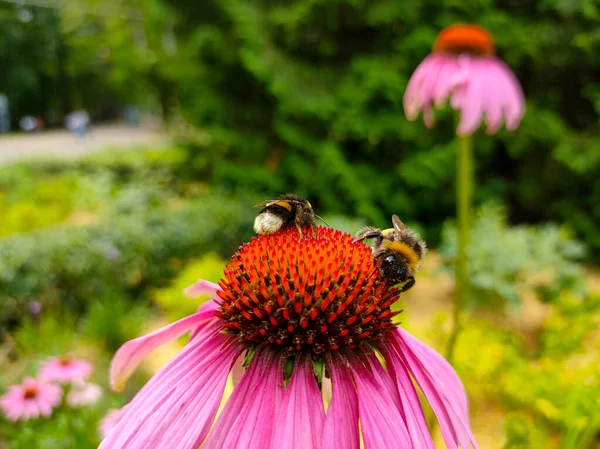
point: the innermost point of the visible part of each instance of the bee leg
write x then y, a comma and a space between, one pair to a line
409, 284
368, 233
299, 231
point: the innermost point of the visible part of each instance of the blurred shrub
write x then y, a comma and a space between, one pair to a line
74, 266
523, 432
552, 390
43, 193
505, 261
171, 299
306, 96
112, 319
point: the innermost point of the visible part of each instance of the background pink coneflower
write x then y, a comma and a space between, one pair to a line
31, 399
83, 394
464, 69
297, 309
65, 369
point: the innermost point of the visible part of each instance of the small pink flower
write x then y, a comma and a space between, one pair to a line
65, 369
83, 394
464, 69
31, 399
296, 309
110, 420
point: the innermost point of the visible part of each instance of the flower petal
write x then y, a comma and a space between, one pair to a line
130, 355
514, 99
341, 423
471, 107
441, 386
410, 406
412, 101
381, 423
177, 407
246, 422
300, 422
201, 287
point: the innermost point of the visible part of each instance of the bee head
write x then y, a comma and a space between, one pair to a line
394, 267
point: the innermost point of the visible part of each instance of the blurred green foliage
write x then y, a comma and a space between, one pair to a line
112, 319
38, 75
549, 378
306, 96
507, 262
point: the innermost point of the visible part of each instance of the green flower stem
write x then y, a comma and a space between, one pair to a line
464, 200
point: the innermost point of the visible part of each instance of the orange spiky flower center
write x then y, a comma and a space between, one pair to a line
464, 38
313, 293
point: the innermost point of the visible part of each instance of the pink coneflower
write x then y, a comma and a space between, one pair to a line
83, 394
110, 420
297, 309
464, 69
31, 399
65, 369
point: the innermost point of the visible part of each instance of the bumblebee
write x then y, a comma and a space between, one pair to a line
285, 212
398, 250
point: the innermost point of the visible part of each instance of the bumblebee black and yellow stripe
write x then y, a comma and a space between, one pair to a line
403, 248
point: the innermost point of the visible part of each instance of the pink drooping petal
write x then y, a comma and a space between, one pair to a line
410, 405
382, 378
471, 106
440, 67
429, 116
176, 408
110, 421
237, 372
514, 99
493, 108
247, 420
202, 287
412, 100
381, 423
130, 355
440, 385
423, 87
449, 77
341, 423
300, 421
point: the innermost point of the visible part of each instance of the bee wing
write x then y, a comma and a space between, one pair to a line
281, 203
398, 224
268, 203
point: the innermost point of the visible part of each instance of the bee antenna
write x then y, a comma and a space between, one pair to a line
321, 218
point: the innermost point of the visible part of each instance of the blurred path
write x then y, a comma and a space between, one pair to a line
61, 143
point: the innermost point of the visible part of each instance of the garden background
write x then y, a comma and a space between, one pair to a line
265, 97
